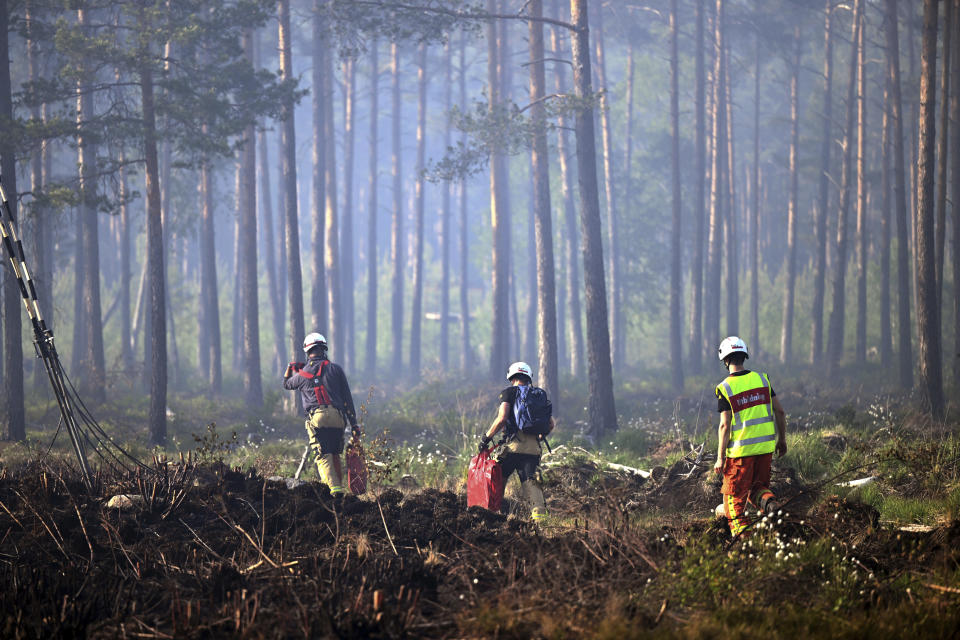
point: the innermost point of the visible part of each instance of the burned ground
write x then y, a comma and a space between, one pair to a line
211, 552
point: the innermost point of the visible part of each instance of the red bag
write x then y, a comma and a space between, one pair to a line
484, 482
356, 470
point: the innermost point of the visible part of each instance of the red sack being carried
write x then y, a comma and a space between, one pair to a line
484, 482
356, 470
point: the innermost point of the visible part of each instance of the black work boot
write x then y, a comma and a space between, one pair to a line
770, 505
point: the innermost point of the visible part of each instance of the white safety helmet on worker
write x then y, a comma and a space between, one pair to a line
312, 340
730, 345
519, 368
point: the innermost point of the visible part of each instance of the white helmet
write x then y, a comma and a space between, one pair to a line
312, 340
732, 344
519, 367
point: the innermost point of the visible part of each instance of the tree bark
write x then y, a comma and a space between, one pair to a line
835, 333
211, 366
373, 254
499, 221
445, 214
335, 329
126, 344
601, 408
13, 416
252, 389
543, 223
886, 340
416, 314
288, 151
571, 240
347, 251
270, 251
157, 415
613, 234
695, 349
715, 239
900, 201
861, 345
943, 153
928, 316
676, 247
397, 254
466, 360
823, 199
790, 263
955, 182
319, 312
730, 228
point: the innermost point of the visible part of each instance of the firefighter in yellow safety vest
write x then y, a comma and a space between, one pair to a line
752, 428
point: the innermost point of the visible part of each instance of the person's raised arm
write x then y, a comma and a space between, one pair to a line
498, 423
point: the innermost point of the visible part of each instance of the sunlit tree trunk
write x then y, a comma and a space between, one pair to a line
628, 193
899, 198
397, 253
928, 316
955, 182
13, 417
346, 214
601, 408
715, 238
823, 198
331, 210
574, 354
373, 254
676, 283
835, 333
319, 313
546, 289
465, 353
288, 153
416, 315
499, 221
445, 215
695, 341
731, 229
252, 390
861, 345
270, 251
211, 368
613, 234
126, 346
790, 262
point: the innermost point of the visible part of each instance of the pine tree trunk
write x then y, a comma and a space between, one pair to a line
397, 252
571, 239
755, 213
601, 408
695, 347
928, 316
835, 333
210, 364
823, 199
715, 239
416, 315
546, 288
790, 263
466, 359
157, 415
621, 346
446, 213
613, 235
955, 182
319, 312
499, 221
270, 251
732, 307
900, 200
332, 213
126, 343
40, 234
861, 345
886, 339
252, 389
13, 417
373, 254
943, 154
347, 251
288, 152
676, 247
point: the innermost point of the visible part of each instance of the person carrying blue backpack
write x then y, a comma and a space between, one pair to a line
526, 416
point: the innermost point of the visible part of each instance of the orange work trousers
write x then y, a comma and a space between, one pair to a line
746, 481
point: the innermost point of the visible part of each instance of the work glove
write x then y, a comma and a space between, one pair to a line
288, 372
484, 444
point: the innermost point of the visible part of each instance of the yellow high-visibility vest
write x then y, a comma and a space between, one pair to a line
752, 430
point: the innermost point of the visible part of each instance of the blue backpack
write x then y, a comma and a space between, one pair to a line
532, 410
